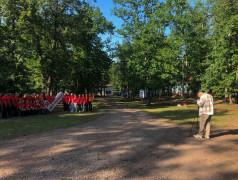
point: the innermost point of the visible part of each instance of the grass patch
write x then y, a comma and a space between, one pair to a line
170, 112
20, 126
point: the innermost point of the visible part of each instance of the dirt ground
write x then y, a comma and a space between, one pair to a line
123, 144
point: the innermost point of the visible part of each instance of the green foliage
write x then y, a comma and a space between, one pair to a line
222, 74
52, 45
179, 42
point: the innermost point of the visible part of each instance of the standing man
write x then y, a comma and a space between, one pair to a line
206, 110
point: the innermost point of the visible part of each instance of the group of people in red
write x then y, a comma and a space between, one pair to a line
12, 105
81, 103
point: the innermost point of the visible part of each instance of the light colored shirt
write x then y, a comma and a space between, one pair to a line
206, 105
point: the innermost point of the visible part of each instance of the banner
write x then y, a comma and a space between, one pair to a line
51, 106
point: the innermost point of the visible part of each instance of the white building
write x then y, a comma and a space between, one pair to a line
108, 91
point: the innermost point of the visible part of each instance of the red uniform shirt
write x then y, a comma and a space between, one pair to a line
33, 105
83, 100
28, 106
12, 100
24, 106
71, 99
75, 99
8, 100
52, 98
38, 105
42, 105
68, 99
86, 100
64, 99
4, 100
18, 105
29, 98
79, 100
16, 99
0, 100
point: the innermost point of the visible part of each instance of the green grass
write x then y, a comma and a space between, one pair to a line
170, 112
20, 126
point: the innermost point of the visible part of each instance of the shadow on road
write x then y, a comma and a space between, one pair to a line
124, 144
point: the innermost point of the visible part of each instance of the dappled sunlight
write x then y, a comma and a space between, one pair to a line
132, 144
6, 170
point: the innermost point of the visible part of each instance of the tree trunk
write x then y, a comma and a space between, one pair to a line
148, 98
49, 86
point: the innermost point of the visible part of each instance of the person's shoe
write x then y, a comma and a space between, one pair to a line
197, 136
207, 137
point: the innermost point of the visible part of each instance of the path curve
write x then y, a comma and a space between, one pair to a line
123, 144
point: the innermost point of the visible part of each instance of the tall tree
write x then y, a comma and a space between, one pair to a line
221, 76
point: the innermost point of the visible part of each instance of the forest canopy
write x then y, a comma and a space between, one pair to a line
52, 45
166, 43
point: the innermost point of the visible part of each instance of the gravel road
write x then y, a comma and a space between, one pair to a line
123, 144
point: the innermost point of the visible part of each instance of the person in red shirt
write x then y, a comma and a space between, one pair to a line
27, 107
90, 100
12, 105
8, 105
86, 103
71, 101
32, 107
24, 97
21, 107
83, 103
33, 97
50, 98
24, 108
16, 100
74, 102
65, 102
4, 106
18, 108
43, 110
0, 102
79, 103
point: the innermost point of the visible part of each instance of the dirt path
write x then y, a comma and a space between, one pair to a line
124, 144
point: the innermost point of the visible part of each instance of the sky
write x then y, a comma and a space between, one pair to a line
106, 7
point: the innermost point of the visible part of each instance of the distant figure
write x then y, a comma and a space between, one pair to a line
79, 103
90, 101
65, 102
206, 110
83, 103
